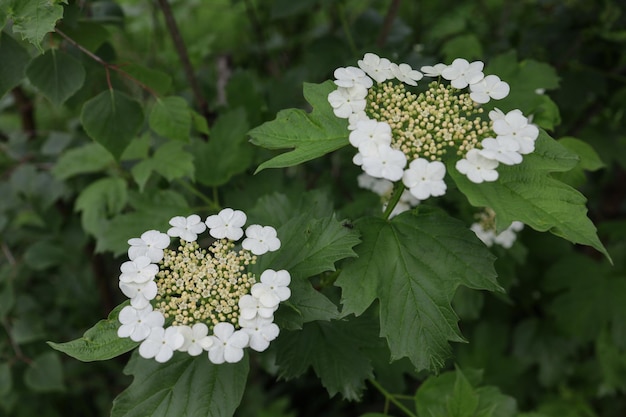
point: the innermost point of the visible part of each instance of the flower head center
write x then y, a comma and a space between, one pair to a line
203, 286
430, 124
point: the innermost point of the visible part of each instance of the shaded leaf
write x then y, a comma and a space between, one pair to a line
413, 265
100, 200
99, 343
14, 60
226, 153
185, 386
112, 119
45, 373
85, 159
56, 75
308, 135
171, 118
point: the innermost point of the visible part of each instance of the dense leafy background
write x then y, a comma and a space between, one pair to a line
107, 130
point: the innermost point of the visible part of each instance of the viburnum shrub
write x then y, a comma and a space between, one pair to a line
410, 229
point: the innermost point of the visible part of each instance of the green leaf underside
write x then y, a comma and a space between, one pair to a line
334, 350
171, 118
310, 135
112, 119
33, 19
57, 75
14, 59
184, 386
413, 265
527, 193
99, 343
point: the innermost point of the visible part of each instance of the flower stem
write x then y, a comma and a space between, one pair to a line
391, 398
397, 193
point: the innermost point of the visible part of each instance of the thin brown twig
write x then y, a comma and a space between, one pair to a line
107, 66
181, 50
392, 12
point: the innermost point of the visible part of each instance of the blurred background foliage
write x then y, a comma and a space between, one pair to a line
556, 342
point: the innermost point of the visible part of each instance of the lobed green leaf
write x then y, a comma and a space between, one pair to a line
528, 193
308, 135
184, 386
33, 19
171, 118
413, 266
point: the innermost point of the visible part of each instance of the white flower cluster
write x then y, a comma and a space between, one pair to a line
402, 136
177, 296
506, 238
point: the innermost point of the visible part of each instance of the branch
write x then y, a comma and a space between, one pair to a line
392, 12
181, 50
26, 110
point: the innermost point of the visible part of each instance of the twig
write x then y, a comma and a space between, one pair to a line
392, 12
16, 347
8, 254
181, 50
107, 66
25, 107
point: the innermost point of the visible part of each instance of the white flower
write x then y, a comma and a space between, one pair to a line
376, 67
351, 76
355, 118
273, 288
487, 236
261, 332
506, 238
406, 74
137, 323
186, 228
434, 71
496, 114
385, 162
517, 226
227, 223
140, 270
425, 179
150, 244
228, 344
251, 307
489, 87
461, 73
139, 294
515, 125
370, 132
260, 239
161, 344
346, 101
502, 149
477, 168
196, 339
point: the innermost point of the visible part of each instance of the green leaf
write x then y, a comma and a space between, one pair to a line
86, 159
309, 135
112, 119
14, 59
334, 349
226, 153
186, 386
452, 394
153, 210
33, 19
57, 75
99, 343
413, 265
158, 81
172, 161
528, 193
171, 118
44, 254
91, 34
7, 299
467, 46
101, 199
589, 158
45, 373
